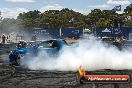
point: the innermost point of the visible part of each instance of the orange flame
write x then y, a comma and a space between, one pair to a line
81, 71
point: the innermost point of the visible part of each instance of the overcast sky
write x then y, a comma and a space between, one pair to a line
11, 8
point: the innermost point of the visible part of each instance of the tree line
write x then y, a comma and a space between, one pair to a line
68, 18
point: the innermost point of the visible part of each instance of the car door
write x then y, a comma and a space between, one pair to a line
47, 47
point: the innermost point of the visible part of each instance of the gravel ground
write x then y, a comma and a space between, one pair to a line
17, 77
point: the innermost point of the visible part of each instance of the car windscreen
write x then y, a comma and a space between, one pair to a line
32, 44
44, 44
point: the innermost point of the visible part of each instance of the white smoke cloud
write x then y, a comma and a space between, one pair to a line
84, 11
103, 6
11, 12
91, 54
51, 7
118, 2
20, 0
60, 7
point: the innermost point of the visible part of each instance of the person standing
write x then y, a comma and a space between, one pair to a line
3, 39
0, 37
34, 37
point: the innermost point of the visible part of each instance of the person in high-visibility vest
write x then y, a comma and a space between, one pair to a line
81, 71
3, 39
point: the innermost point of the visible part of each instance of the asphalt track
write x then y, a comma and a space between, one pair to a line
17, 77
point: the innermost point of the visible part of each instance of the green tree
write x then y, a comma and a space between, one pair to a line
128, 9
128, 15
29, 19
67, 17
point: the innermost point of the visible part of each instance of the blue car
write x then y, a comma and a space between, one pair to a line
51, 47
